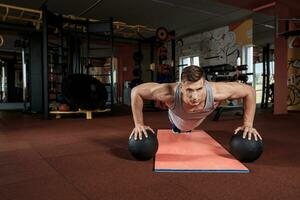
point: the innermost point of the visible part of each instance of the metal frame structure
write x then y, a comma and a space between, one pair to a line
21, 14
25, 19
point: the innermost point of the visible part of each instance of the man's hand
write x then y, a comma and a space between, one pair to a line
250, 131
139, 130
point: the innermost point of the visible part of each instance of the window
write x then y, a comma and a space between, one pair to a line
186, 61
248, 60
258, 77
195, 60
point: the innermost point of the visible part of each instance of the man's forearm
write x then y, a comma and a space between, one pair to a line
137, 108
249, 108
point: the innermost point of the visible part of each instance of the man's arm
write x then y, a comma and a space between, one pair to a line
147, 91
234, 90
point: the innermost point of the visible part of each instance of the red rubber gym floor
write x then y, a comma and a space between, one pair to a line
79, 159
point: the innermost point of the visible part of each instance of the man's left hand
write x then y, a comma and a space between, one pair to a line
250, 131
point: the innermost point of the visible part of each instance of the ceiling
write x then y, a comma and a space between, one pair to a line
185, 17
286, 8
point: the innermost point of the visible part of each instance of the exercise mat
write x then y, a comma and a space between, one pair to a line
193, 152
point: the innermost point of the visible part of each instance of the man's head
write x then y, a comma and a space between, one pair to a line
192, 73
192, 85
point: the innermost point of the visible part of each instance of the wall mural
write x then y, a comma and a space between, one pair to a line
214, 47
293, 74
293, 70
219, 46
294, 84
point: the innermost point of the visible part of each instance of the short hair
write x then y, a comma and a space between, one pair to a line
192, 73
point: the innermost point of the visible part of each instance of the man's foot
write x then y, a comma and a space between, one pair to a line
176, 132
179, 132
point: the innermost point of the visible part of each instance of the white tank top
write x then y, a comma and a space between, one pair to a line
186, 121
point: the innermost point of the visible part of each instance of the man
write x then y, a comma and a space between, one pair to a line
191, 101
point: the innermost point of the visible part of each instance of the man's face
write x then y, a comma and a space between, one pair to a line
193, 93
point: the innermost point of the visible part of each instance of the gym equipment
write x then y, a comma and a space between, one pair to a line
143, 149
162, 33
266, 77
218, 68
84, 92
137, 73
193, 152
162, 53
137, 56
164, 74
29, 16
245, 150
63, 107
135, 82
60, 99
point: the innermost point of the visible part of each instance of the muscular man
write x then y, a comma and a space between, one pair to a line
191, 101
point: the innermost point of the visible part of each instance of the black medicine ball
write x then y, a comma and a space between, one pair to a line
143, 149
84, 91
245, 150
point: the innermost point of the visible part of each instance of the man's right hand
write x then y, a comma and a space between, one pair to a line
139, 130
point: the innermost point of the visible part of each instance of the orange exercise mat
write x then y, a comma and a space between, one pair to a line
193, 152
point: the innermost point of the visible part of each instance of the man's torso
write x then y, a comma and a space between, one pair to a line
187, 119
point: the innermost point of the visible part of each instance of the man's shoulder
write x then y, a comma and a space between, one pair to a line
214, 85
216, 88
171, 87
167, 89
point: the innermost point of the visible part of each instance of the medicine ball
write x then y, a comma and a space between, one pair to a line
143, 149
245, 150
84, 92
